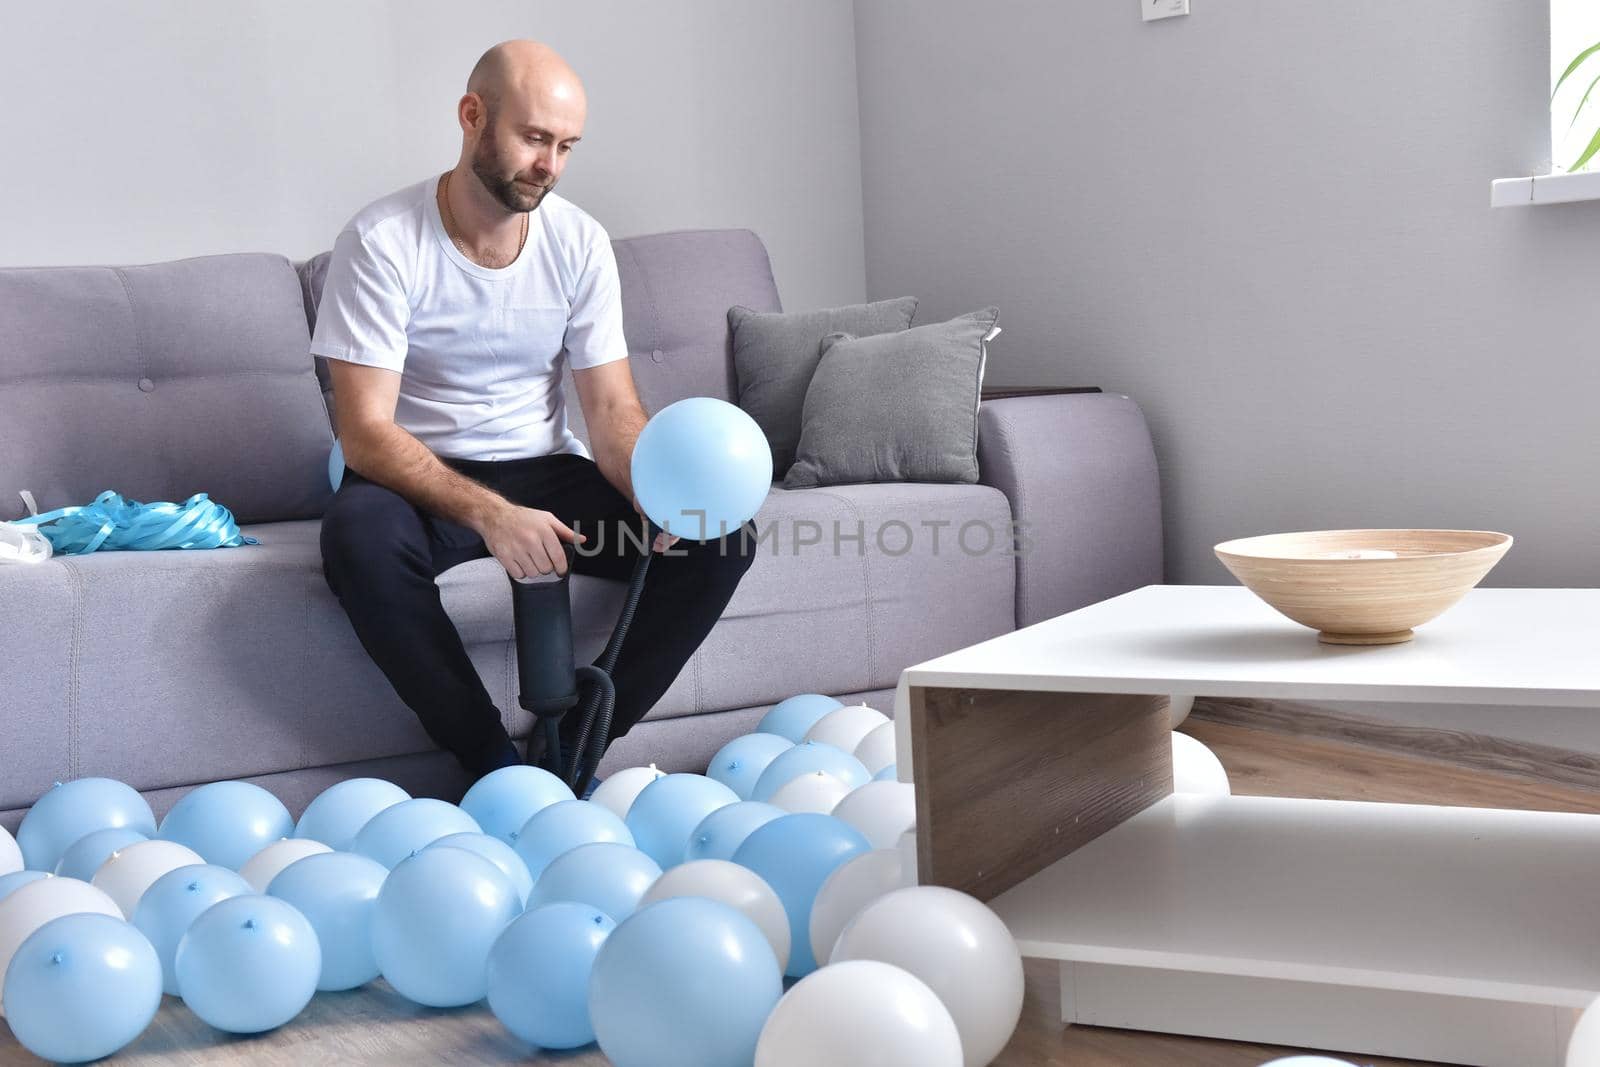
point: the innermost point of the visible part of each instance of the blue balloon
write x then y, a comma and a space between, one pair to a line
66, 812
498, 853
337, 892
565, 825
539, 973
437, 916
888, 774
795, 855
666, 812
740, 762
81, 987
504, 800
227, 822
410, 826
720, 834
248, 964
10, 883
794, 717
172, 904
335, 470
604, 875
684, 982
805, 758
86, 854
701, 468
340, 811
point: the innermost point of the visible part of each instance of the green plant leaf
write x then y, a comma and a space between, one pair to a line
1578, 113
1581, 56
1588, 153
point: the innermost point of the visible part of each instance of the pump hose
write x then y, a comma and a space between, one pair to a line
595, 706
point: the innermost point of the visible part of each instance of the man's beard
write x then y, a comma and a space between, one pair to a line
503, 186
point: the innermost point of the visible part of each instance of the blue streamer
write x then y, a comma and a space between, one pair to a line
112, 523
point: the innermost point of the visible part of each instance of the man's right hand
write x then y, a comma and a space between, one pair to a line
528, 541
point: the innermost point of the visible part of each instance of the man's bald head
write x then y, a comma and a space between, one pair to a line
524, 68
523, 111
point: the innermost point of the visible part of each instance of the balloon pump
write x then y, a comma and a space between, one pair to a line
547, 680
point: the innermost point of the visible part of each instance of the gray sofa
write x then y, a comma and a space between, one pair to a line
171, 669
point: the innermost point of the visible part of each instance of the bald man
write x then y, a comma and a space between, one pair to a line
448, 310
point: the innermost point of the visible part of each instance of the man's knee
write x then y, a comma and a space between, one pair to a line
364, 532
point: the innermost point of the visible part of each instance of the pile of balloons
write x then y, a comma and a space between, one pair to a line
790, 857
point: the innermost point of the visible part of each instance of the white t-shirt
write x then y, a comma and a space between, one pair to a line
479, 349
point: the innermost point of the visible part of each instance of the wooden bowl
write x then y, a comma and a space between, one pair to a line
1363, 587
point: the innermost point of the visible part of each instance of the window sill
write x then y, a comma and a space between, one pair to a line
1544, 189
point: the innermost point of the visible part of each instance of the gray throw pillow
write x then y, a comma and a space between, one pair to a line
900, 407
775, 353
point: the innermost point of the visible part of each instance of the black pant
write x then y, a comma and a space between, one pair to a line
380, 555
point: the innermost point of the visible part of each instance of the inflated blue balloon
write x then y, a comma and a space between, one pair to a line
604, 875
437, 916
227, 822
335, 468
794, 717
805, 758
504, 800
68, 811
720, 834
498, 853
565, 825
722, 976
337, 892
340, 811
888, 774
667, 811
10, 883
795, 855
539, 973
86, 854
739, 763
172, 904
81, 987
701, 468
248, 964
410, 826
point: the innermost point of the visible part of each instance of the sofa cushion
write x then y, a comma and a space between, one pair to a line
159, 382
240, 662
776, 353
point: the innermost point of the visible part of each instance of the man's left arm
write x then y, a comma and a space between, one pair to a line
598, 355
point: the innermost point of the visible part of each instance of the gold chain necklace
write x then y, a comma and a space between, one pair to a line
450, 224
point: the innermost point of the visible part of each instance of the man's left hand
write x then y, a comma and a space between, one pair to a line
663, 540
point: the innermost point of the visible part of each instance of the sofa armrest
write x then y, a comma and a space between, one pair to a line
1080, 473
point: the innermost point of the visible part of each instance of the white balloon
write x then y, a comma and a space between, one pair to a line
31, 906
958, 947
259, 870
620, 790
10, 858
1583, 1048
130, 871
859, 1014
852, 886
1196, 769
738, 887
882, 811
1179, 706
845, 727
818, 791
876, 750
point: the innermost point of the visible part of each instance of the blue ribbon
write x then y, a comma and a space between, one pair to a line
111, 522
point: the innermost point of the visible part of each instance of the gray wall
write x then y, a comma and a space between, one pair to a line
1268, 222
140, 132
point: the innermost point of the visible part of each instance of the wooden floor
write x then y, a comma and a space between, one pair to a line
374, 1025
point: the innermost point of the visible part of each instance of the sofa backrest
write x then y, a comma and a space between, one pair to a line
676, 291
160, 382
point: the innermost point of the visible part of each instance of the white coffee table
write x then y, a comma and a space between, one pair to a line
1461, 935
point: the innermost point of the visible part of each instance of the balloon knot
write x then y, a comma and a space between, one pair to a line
193, 887
249, 924
57, 958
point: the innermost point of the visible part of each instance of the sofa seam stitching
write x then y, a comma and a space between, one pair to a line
138, 333
650, 298
74, 672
